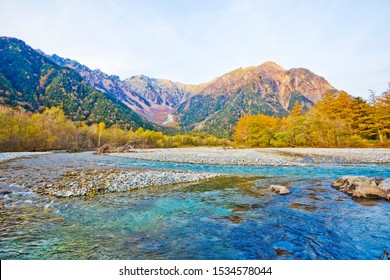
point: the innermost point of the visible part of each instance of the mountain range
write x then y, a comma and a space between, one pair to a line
31, 78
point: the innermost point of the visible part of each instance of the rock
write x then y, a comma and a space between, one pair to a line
385, 184
362, 186
279, 189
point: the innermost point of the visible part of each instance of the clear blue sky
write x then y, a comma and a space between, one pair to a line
347, 42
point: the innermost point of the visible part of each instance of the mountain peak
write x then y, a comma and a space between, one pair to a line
271, 65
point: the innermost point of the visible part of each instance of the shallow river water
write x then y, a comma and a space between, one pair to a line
232, 217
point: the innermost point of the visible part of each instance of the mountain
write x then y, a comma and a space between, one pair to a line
267, 89
154, 99
30, 80
215, 106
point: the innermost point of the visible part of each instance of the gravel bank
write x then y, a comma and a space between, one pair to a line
217, 156
262, 157
8, 156
336, 155
92, 182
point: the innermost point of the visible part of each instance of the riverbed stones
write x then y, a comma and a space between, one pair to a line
365, 187
278, 189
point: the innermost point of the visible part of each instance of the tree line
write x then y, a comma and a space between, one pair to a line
51, 130
339, 120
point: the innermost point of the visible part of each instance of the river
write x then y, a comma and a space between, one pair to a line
233, 217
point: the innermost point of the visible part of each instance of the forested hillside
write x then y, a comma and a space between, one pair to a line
32, 81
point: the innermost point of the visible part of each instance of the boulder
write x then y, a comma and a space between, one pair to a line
362, 186
279, 189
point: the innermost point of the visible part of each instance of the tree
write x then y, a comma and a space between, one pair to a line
297, 110
384, 114
101, 127
257, 131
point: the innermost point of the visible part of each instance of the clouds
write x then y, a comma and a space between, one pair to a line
194, 41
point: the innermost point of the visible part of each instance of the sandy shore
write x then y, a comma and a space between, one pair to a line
261, 157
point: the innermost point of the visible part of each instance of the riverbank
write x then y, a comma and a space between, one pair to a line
261, 157
14, 155
340, 155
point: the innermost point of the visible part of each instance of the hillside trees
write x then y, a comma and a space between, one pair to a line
336, 121
51, 130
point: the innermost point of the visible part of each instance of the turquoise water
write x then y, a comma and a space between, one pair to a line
233, 217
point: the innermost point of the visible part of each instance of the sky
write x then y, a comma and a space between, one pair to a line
194, 41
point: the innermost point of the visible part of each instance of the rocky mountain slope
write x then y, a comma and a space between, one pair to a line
267, 89
151, 98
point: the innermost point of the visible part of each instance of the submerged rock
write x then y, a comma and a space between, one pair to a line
279, 189
362, 186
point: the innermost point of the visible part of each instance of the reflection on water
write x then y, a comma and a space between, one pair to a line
226, 218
